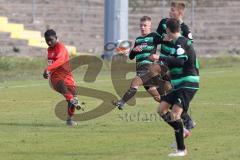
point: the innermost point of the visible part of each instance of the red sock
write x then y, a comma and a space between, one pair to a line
68, 96
71, 111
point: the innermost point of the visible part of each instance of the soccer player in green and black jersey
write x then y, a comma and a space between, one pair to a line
185, 79
177, 12
144, 47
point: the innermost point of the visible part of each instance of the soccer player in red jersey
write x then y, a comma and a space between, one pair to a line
59, 73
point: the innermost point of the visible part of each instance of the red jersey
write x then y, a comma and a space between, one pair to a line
58, 62
60, 71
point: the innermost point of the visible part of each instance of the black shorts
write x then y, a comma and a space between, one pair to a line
181, 97
156, 81
142, 70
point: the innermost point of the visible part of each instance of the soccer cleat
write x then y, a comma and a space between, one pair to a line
71, 122
178, 153
75, 103
190, 124
118, 104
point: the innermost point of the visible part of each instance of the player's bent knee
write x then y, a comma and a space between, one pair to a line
134, 88
152, 88
137, 82
161, 111
164, 106
175, 116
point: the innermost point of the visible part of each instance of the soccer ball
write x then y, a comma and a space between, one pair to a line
123, 47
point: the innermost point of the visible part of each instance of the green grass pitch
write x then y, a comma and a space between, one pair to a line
30, 130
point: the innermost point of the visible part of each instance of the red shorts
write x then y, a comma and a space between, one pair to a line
64, 85
67, 78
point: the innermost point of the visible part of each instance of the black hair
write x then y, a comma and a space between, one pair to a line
50, 32
173, 25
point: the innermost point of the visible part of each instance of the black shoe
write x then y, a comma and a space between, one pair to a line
190, 124
118, 104
75, 103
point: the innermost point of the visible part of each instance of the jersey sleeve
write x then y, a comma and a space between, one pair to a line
172, 61
177, 59
182, 47
132, 54
158, 39
60, 59
181, 53
162, 27
186, 32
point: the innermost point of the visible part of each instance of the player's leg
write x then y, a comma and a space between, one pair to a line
164, 87
188, 95
164, 106
154, 70
144, 76
173, 118
181, 104
136, 82
163, 111
156, 87
72, 89
70, 84
153, 92
177, 125
62, 87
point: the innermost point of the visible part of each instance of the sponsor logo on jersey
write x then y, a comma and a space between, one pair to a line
143, 45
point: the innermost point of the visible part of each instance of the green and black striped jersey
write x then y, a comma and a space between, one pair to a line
166, 48
186, 75
148, 44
